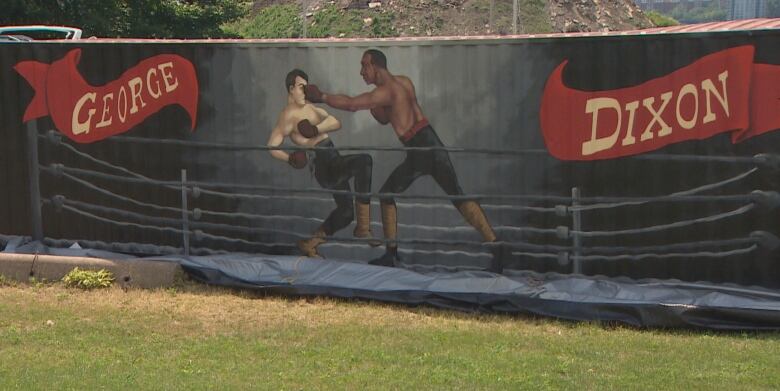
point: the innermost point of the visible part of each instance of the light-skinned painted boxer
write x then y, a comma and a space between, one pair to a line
308, 126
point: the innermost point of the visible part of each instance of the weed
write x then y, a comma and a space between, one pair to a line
5, 281
88, 279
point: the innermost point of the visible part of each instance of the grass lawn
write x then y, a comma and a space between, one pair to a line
198, 337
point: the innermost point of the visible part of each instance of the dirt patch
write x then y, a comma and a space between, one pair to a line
489, 17
196, 309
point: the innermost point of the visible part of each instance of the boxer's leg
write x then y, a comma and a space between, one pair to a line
399, 180
359, 167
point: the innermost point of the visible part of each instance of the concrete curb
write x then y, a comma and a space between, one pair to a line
141, 273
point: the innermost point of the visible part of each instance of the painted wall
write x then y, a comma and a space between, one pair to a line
487, 96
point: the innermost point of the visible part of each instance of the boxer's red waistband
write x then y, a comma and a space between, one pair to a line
418, 126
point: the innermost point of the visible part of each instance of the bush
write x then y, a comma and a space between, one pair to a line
88, 279
276, 21
661, 20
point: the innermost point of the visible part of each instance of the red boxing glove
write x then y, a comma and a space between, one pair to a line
298, 159
313, 93
306, 129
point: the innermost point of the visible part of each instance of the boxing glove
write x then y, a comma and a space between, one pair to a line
306, 129
313, 93
298, 159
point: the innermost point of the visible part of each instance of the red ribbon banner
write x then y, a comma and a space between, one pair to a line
86, 113
720, 92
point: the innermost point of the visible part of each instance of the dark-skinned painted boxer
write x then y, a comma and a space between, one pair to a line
394, 101
308, 126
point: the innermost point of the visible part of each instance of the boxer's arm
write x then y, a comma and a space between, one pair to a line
329, 123
377, 98
275, 140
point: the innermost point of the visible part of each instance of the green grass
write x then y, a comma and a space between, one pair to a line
196, 337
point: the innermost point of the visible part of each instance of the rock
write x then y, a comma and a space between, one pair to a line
368, 21
50, 322
374, 4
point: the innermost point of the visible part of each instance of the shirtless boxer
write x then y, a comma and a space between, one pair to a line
308, 126
394, 101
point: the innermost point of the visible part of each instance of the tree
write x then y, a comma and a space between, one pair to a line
130, 18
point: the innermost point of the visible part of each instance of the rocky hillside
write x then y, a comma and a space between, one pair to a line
455, 17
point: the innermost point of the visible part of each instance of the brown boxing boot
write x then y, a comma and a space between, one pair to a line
308, 247
363, 223
390, 228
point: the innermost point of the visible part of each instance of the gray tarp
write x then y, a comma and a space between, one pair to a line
644, 303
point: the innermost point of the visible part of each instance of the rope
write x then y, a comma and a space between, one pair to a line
510, 245
689, 192
400, 204
96, 174
131, 247
66, 204
234, 147
701, 254
518, 152
672, 197
119, 196
661, 227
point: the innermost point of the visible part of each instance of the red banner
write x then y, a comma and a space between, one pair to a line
720, 92
87, 113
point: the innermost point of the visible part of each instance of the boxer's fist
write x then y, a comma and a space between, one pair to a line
306, 129
298, 159
313, 93
380, 114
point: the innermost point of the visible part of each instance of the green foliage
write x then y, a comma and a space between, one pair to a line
284, 21
661, 20
709, 13
332, 22
383, 25
276, 21
129, 18
88, 279
533, 17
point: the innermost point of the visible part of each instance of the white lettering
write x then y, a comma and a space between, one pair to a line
665, 129
82, 127
135, 94
688, 89
167, 77
106, 109
709, 89
154, 93
595, 144
121, 104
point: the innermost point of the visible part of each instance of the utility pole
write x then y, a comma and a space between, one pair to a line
490, 24
514, 17
304, 7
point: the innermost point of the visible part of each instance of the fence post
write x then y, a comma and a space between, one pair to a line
514, 17
185, 226
34, 186
576, 227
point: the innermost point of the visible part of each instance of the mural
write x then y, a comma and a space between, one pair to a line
637, 156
